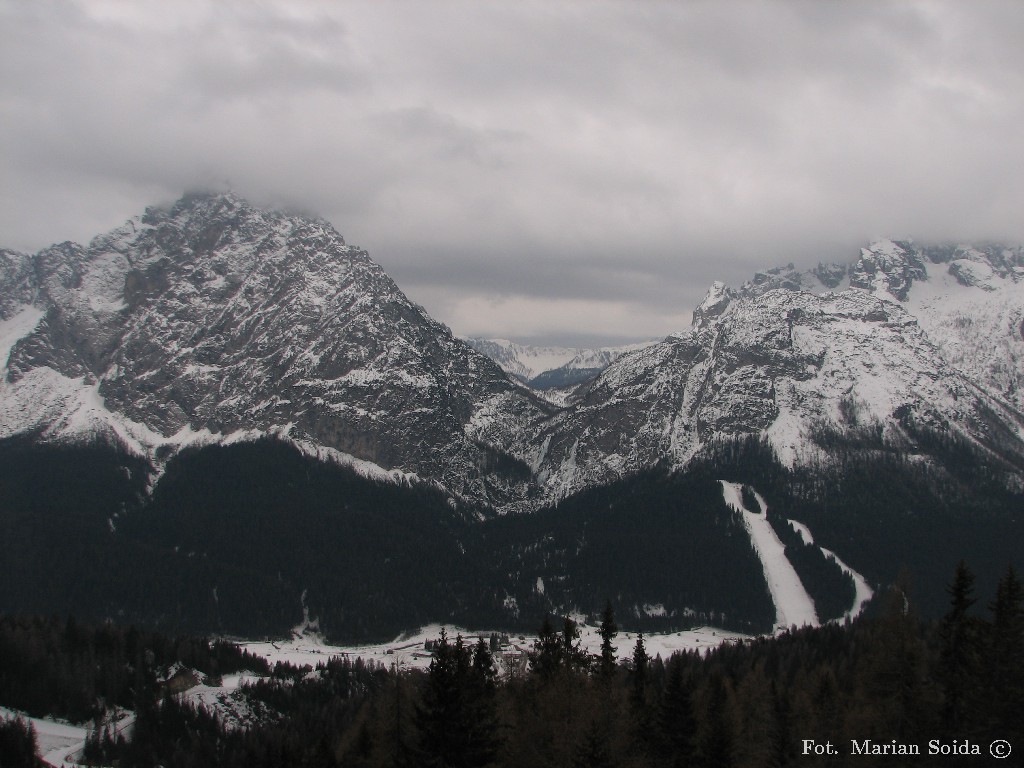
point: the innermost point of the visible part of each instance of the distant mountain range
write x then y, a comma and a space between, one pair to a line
212, 323
550, 368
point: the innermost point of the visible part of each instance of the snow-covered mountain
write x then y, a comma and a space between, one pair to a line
550, 367
211, 323
968, 299
213, 319
790, 365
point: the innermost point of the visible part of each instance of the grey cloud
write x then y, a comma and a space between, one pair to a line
493, 153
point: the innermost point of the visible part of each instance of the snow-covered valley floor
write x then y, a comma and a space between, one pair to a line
408, 650
60, 744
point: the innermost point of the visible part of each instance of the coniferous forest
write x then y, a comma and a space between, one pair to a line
889, 677
239, 539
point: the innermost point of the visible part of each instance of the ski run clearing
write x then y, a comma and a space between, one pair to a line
793, 606
863, 592
60, 743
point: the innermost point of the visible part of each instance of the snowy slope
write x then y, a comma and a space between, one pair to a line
59, 743
793, 606
784, 364
213, 321
862, 590
968, 299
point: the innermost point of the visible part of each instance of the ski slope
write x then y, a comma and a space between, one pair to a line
59, 743
793, 606
862, 591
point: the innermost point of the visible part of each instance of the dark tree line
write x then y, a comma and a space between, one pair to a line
18, 744
232, 536
831, 588
65, 669
888, 675
886, 511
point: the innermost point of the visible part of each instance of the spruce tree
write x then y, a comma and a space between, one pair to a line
482, 710
676, 720
574, 656
439, 714
594, 750
1005, 654
547, 655
457, 716
640, 673
609, 629
715, 738
17, 744
960, 652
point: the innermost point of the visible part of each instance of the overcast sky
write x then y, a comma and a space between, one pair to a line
567, 171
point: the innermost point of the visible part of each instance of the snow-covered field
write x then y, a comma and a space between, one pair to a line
60, 743
408, 650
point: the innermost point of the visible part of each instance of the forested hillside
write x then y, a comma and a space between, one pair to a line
240, 539
888, 678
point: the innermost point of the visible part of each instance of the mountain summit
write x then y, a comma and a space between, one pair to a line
212, 319
811, 374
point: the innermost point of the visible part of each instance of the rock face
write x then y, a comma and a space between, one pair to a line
787, 364
968, 299
213, 318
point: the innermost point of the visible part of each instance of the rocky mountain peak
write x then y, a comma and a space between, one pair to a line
788, 365
212, 317
714, 303
888, 265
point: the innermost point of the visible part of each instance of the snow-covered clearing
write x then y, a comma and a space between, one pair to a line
56, 741
60, 743
863, 592
226, 701
793, 606
408, 651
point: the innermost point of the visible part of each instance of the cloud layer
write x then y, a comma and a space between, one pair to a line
546, 170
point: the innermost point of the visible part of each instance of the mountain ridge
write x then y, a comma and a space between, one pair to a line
211, 320
214, 317
550, 367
